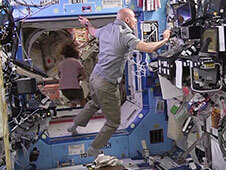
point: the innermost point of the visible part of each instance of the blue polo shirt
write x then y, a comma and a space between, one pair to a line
115, 41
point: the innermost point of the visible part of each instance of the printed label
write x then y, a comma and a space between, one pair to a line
76, 149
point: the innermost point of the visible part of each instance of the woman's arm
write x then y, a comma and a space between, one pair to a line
82, 74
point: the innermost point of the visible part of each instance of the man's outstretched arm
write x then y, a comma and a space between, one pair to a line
152, 46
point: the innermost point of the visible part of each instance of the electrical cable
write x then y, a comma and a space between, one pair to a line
18, 162
137, 60
6, 25
3, 167
25, 152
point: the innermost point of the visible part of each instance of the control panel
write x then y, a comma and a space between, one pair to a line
58, 8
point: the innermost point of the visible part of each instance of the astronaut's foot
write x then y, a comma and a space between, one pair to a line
73, 129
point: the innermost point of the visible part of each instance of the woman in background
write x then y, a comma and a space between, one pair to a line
70, 73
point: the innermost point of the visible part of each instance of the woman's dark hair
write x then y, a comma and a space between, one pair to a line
70, 50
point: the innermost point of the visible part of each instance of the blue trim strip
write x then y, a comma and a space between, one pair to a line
57, 140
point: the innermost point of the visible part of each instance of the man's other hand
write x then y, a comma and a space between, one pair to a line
84, 21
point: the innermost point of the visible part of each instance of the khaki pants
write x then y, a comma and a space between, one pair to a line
104, 96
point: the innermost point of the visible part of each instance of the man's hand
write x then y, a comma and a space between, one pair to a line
166, 34
84, 21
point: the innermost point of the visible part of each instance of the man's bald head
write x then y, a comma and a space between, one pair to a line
123, 13
127, 15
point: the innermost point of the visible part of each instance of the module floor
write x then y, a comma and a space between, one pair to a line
64, 119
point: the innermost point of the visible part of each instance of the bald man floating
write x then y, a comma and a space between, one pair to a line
115, 41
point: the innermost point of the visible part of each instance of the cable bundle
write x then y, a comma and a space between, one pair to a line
221, 131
